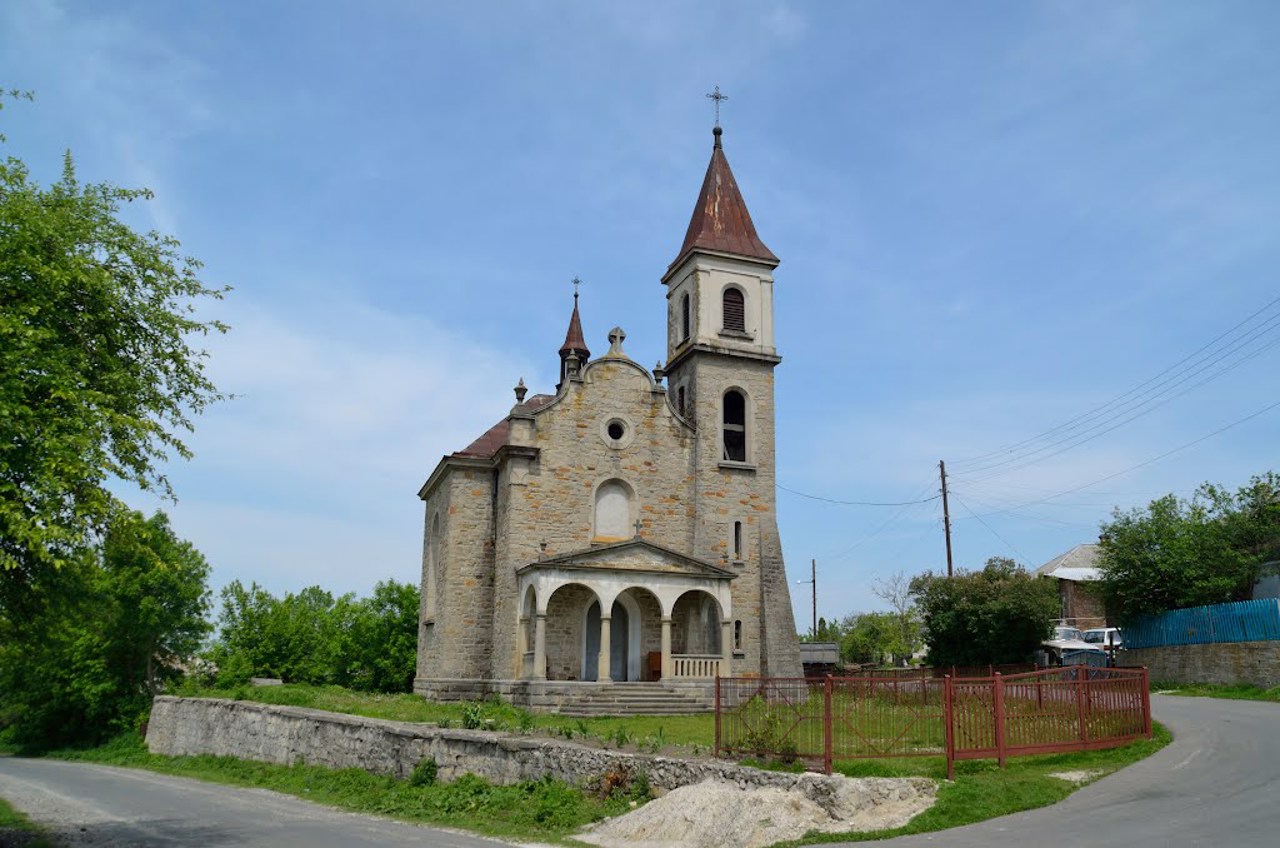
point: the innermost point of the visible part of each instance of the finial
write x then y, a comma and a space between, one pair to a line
658, 373
521, 391
576, 282
616, 338
639, 527
542, 549
718, 98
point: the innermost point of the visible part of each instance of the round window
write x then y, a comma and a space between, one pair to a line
616, 430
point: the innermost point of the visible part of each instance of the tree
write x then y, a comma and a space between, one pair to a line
997, 615
1182, 553
896, 591
102, 635
98, 376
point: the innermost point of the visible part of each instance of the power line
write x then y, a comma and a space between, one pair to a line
1180, 375
1007, 543
1164, 455
1152, 404
853, 503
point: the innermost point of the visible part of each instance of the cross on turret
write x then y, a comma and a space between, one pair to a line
718, 98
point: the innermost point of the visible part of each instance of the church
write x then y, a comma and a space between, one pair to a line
622, 530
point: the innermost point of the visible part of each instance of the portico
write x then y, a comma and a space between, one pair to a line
603, 613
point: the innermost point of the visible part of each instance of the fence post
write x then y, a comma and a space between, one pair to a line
1146, 703
1084, 727
999, 717
826, 726
718, 679
948, 734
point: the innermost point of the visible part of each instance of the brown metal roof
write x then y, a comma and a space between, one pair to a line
720, 219
496, 436
573, 340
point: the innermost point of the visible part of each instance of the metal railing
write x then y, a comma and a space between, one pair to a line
821, 721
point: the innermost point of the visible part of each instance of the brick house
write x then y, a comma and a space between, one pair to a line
1079, 603
623, 527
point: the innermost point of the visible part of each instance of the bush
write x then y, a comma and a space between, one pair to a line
424, 773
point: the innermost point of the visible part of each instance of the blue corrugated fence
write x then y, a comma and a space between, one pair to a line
1243, 621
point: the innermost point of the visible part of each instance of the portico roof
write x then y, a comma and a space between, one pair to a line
636, 555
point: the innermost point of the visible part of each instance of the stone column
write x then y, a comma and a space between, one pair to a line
606, 649
668, 666
726, 648
522, 644
540, 647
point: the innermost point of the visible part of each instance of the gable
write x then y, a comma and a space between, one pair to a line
634, 555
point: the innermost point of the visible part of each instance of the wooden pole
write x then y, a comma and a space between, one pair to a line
946, 512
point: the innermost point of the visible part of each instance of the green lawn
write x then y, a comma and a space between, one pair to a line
677, 735
16, 829
1217, 690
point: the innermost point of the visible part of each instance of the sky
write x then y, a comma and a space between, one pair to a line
1037, 240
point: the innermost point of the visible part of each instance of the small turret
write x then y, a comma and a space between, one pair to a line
573, 353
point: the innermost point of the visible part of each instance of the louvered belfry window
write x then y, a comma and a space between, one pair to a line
735, 318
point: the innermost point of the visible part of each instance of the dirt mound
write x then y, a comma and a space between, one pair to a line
722, 815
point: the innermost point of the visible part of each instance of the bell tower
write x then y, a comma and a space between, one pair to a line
720, 361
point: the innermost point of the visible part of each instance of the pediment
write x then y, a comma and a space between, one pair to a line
635, 555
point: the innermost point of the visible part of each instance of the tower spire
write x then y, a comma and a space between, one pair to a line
720, 221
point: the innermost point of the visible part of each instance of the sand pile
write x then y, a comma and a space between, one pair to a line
722, 815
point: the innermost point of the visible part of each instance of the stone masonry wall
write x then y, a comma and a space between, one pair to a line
1256, 663
289, 735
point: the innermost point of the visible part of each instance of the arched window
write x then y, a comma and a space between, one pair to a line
735, 311
613, 511
433, 547
735, 426
684, 317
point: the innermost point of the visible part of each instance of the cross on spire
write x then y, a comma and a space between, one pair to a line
718, 98
639, 526
576, 282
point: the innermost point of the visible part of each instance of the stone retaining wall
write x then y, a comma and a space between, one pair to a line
1256, 663
289, 735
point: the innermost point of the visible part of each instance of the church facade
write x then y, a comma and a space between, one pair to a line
623, 528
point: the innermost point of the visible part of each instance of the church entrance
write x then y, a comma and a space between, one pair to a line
619, 643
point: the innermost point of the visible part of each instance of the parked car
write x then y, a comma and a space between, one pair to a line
1108, 638
1068, 647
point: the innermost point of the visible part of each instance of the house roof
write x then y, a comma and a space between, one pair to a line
720, 219
635, 554
1078, 564
496, 436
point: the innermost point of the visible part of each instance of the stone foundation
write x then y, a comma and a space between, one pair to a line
289, 735
544, 696
1256, 663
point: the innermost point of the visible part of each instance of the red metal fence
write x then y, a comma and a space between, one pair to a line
844, 718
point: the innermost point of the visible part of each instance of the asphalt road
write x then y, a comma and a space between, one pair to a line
1218, 784
124, 808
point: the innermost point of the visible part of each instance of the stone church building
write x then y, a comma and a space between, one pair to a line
624, 527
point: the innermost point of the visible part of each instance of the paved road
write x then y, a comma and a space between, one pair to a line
125, 808
1218, 784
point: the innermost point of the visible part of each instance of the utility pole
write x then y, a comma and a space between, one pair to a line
813, 581
946, 512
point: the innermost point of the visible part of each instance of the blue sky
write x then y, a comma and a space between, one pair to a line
993, 217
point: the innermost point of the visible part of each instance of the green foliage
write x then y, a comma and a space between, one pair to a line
997, 615
98, 375
424, 773
1230, 692
369, 644
97, 639
1184, 553
543, 809
879, 637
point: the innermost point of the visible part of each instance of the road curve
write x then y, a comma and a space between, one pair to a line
109, 807
1217, 784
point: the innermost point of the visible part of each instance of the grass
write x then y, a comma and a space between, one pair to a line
1240, 692
547, 810
677, 735
17, 829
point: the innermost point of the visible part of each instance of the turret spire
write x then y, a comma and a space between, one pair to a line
575, 344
